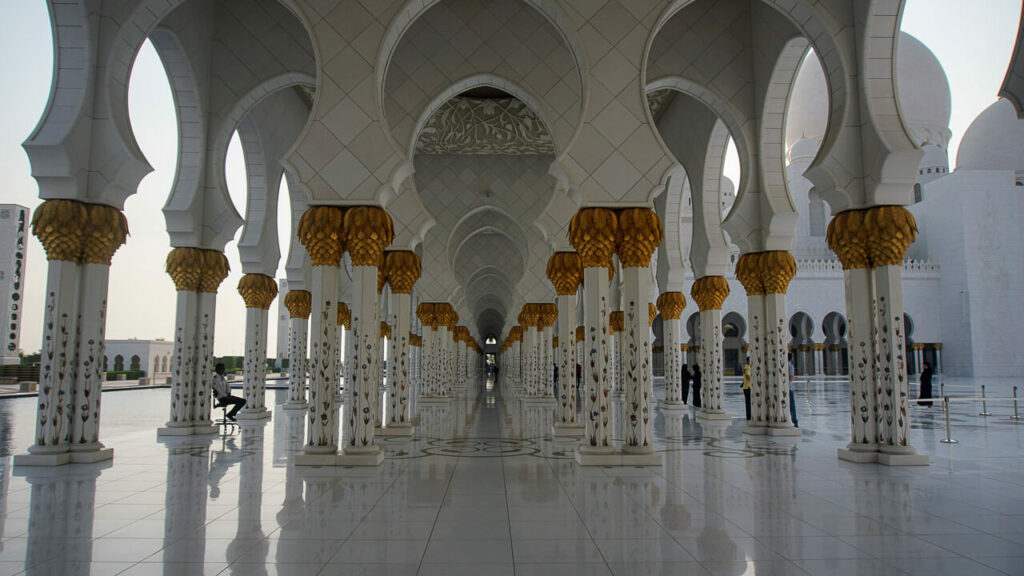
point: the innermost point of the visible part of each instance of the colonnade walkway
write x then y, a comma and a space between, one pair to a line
485, 489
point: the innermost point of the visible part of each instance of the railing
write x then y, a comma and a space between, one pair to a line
984, 399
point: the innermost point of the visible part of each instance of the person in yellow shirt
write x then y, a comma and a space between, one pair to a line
746, 385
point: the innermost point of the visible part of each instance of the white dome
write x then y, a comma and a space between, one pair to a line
994, 141
808, 103
803, 149
923, 93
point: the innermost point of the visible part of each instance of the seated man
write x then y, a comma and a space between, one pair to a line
222, 392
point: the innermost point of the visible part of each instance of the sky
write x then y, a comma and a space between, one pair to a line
972, 39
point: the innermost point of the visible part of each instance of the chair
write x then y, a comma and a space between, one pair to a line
229, 426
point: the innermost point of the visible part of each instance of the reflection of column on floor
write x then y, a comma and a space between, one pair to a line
291, 517
188, 467
250, 500
299, 303
258, 291
61, 509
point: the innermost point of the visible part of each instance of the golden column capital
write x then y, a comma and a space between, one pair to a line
385, 330
581, 333
684, 347
548, 315
444, 315
60, 225
652, 313
516, 334
257, 290
554, 342
777, 269
847, 236
368, 231
185, 267
344, 317
415, 339
320, 232
403, 270
671, 305
592, 232
819, 346
748, 272
106, 229
215, 270
616, 322
530, 316
639, 233
299, 303
938, 346
890, 231
710, 292
382, 276
565, 271
425, 312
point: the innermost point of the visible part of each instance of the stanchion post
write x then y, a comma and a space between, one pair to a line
1016, 416
984, 404
947, 439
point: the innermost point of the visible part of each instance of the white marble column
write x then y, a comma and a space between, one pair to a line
298, 303
565, 422
759, 328
777, 362
85, 431
859, 290
891, 370
638, 387
597, 385
531, 347
671, 305
321, 444
360, 398
399, 361
258, 291
57, 368
710, 292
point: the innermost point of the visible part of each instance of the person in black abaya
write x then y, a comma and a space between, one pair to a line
696, 386
685, 383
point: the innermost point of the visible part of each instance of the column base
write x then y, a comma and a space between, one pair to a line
374, 457
314, 459
673, 406
760, 429
650, 458
857, 456
257, 414
789, 430
296, 405
904, 459
339, 399
100, 454
590, 456
405, 429
559, 429
434, 400
51, 459
538, 401
708, 415
187, 430
614, 458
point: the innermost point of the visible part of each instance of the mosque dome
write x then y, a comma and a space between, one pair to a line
923, 93
994, 141
803, 149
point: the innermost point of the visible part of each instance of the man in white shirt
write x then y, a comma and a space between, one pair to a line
222, 392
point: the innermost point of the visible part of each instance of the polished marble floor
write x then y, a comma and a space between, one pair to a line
483, 489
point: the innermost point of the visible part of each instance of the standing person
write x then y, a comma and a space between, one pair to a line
792, 395
925, 389
685, 382
746, 385
696, 386
223, 393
